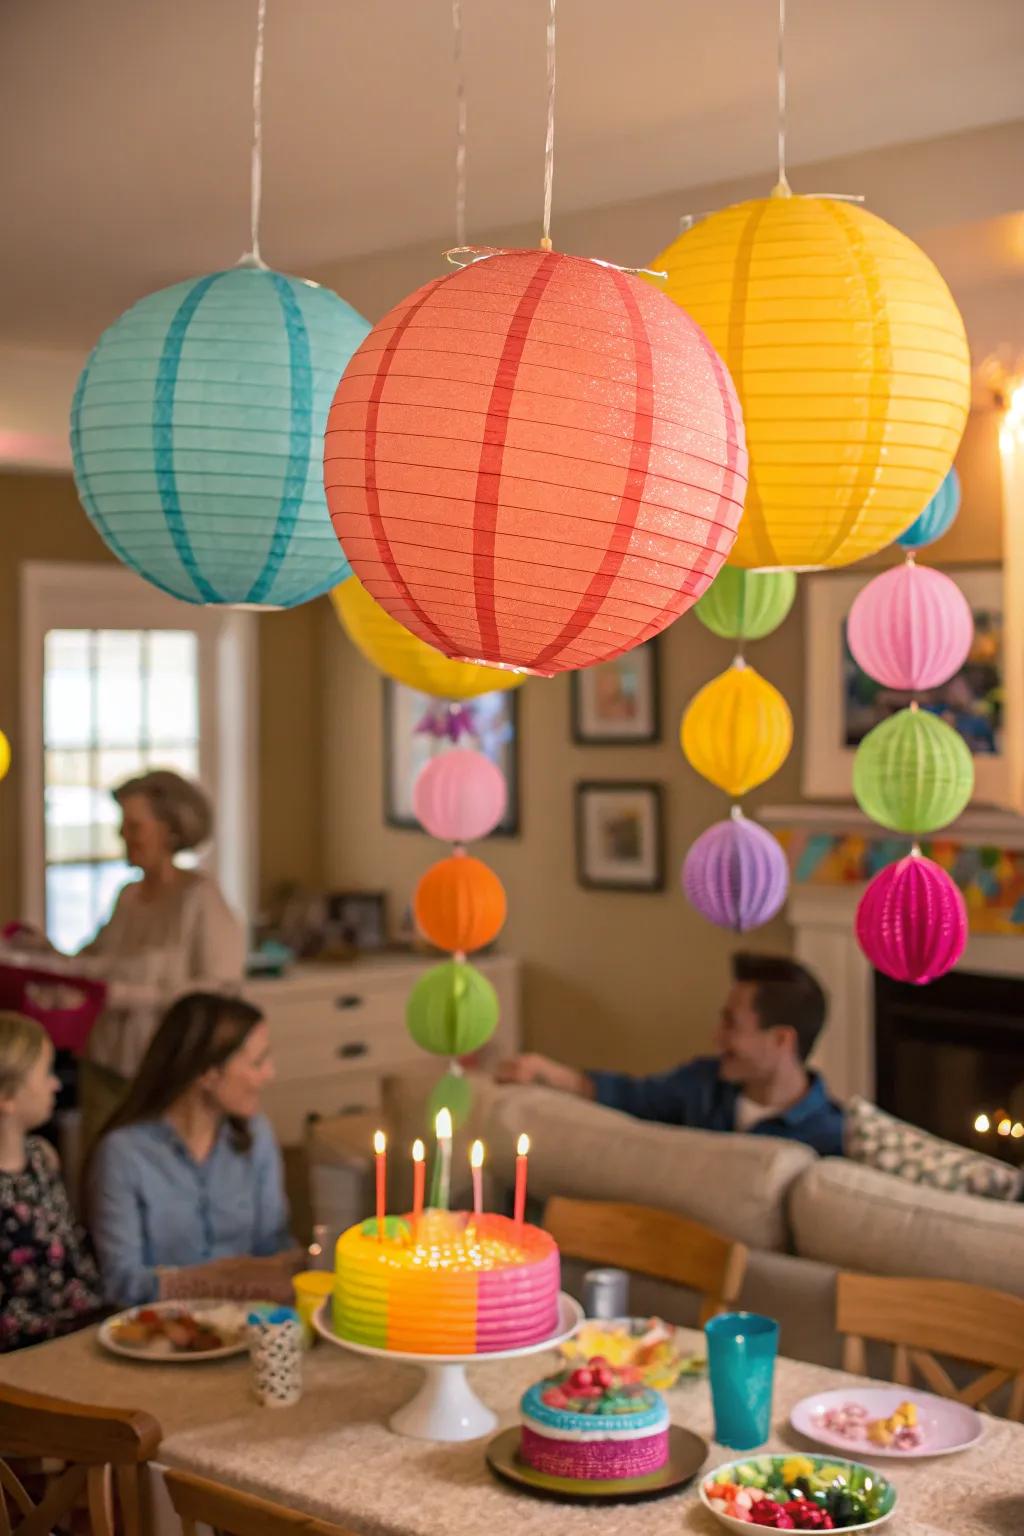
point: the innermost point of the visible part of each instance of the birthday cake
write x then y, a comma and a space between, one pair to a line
591, 1424
446, 1283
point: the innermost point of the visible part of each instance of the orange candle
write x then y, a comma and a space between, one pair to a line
419, 1177
476, 1163
522, 1151
380, 1151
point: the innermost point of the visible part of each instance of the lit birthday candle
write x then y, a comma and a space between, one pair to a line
476, 1163
522, 1152
419, 1174
441, 1184
380, 1152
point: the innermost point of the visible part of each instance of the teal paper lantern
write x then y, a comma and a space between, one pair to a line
937, 518
746, 605
197, 437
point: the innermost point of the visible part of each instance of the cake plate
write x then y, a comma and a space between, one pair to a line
445, 1407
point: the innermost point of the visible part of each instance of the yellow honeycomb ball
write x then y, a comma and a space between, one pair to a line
737, 731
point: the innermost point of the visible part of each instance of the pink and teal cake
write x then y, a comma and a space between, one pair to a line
446, 1283
589, 1425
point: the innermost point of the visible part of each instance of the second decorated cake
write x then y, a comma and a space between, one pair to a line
589, 1424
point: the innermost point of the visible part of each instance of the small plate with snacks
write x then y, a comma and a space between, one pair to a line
798, 1493
642, 1349
177, 1332
895, 1422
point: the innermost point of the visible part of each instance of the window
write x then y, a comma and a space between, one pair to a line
118, 679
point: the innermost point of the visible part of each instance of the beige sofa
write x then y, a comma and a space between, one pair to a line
803, 1218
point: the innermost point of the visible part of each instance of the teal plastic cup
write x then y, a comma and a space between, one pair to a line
742, 1347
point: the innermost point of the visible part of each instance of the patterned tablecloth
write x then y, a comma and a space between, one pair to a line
332, 1455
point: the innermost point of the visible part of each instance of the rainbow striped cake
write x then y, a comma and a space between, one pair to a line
588, 1424
447, 1283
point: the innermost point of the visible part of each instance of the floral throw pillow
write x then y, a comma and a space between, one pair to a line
892, 1146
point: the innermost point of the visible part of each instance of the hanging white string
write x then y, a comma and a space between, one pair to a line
783, 184
256, 197
460, 126
549, 142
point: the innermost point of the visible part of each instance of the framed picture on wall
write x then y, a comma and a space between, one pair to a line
842, 704
617, 703
619, 836
495, 732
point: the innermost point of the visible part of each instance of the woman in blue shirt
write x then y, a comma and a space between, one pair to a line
186, 1194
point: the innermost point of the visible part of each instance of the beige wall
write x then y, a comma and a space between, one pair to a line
40, 519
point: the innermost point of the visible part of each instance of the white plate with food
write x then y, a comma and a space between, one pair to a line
178, 1332
897, 1422
642, 1349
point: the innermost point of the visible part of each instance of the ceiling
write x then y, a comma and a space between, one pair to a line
126, 123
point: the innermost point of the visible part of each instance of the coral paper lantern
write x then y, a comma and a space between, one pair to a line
910, 628
196, 436
459, 904
746, 605
912, 921
737, 731
913, 772
405, 658
736, 874
459, 796
850, 360
535, 462
452, 1010
937, 518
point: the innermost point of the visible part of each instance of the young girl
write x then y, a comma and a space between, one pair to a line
48, 1279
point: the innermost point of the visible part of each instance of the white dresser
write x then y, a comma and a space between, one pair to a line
339, 1030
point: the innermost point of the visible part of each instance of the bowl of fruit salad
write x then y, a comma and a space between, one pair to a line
798, 1493
643, 1350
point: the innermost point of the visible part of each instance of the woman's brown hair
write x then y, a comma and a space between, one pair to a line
199, 1032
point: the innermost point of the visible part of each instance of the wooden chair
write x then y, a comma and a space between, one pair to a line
198, 1501
99, 1448
651, 1242
949, 1317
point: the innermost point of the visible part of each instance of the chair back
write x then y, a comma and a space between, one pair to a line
922, 1318
651, 1242
102, 1450
199, 1502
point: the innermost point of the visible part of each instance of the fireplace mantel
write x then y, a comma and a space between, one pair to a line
822, 918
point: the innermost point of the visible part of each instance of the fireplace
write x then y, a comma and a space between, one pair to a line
950, 1057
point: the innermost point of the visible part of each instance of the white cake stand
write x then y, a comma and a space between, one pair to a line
445, 1407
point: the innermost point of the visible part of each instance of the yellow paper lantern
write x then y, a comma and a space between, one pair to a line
5, 755
403, 656
851, 363
737, 731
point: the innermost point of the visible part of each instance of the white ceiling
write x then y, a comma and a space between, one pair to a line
126, 123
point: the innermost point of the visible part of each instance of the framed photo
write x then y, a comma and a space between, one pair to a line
842, 704
357, 919
495, 732
619, 836
618, 702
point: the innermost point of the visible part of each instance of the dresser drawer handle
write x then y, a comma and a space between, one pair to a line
352, 1048
348, 1000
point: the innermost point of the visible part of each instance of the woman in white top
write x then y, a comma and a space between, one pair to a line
169, 933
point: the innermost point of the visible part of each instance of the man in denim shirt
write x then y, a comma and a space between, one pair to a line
758, 1082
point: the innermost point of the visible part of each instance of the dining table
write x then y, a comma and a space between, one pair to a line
333, 1456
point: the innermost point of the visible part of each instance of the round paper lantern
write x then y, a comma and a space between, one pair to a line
535, 462
5, 755
913, 772
746, 605
452, 1010
459, 796
938, 516
910, 628
736, 875
737, 731
912, 921
459, 904
453, 1093
196, 435
850, 360
389, 647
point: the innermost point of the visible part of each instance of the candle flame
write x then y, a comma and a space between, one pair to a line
380, 1142
523, 1145
419, 1151
1004, 1126
982, 1123
1017, 1130
443, 1124
476, 1155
